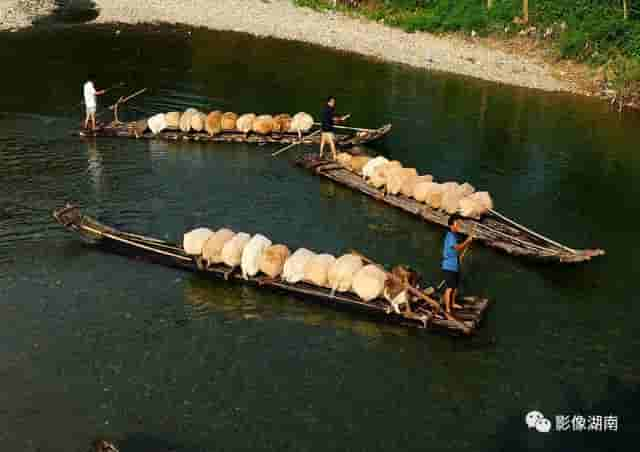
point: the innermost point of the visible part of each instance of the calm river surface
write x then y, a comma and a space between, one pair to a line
94, 344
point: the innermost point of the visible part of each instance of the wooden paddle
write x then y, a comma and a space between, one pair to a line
289, 146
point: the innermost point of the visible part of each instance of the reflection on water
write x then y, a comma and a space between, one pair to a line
241, 302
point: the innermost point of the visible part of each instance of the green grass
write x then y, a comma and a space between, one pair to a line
592, 31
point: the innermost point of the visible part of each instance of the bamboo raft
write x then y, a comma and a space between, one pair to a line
345, 137
493, 229
466, 321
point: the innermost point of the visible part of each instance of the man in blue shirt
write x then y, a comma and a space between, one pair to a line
328, 119
451, 262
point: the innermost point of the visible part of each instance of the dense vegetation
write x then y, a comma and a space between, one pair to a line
592, 31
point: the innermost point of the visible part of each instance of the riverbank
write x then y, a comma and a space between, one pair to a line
17, 14
494, 60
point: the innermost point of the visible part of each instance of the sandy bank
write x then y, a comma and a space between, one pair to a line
16, 14
280, 18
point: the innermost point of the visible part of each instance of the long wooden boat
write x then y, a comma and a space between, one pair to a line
345, 137
466, 321
493, 229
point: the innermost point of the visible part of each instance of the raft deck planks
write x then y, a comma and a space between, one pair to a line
491, 229
357, 137
137, 246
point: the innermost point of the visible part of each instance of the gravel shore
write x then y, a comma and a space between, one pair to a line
16, 14
281, 19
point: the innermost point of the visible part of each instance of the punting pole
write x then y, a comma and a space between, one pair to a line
535, 234
289, 146
358, 129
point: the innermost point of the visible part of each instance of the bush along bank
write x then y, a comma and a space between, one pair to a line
604, 35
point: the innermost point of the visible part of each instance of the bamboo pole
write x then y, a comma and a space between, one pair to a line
535, 234
357, 129
289, 146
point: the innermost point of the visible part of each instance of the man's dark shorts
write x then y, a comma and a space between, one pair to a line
451, 279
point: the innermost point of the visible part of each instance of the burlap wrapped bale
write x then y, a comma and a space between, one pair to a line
293, 270
232, 250
157, 123
316, 269
229, 121
344, 159
484, 198
185, 120
358, 162
379, 177
422, 190
244, 123
451, 201
198, 122
173, 120
368, 283
434, 196
369, 168
409, 185
263, 124
281, 123
466, 189
193, 241
397, 177
252, 253
273, 259
447, 186
301, 122
341, 272
212, 250
470, 208
213, 124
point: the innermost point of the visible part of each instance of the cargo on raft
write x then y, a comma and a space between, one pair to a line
218, 127
426, 201
422, 311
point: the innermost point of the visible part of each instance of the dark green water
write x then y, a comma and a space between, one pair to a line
94, 344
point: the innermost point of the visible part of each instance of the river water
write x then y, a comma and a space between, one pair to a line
93, 344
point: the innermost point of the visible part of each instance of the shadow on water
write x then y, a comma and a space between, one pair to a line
70, 12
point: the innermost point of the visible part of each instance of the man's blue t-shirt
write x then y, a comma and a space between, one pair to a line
449, 253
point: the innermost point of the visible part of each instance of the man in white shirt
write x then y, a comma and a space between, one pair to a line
90, 94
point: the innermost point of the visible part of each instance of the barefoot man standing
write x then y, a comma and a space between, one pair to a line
90, 103
328, 118
451, 262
